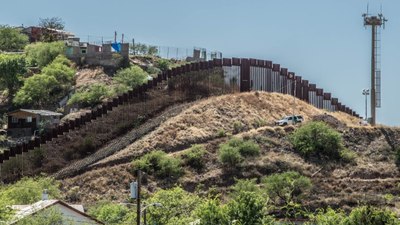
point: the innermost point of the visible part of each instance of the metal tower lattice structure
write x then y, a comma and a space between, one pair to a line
376, 22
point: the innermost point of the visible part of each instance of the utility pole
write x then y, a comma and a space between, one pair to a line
365, 92
139, 184
375, 22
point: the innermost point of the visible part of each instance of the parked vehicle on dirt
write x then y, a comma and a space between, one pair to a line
289, 120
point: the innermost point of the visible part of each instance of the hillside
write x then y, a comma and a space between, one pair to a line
369, 179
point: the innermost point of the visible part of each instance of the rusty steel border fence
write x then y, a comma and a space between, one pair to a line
242, 74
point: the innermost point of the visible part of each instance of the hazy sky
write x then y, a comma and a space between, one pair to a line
324, 41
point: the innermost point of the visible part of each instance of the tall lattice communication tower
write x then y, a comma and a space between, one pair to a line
376, 23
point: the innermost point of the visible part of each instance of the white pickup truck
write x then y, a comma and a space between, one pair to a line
289, 120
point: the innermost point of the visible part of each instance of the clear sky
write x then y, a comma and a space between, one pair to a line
324, 41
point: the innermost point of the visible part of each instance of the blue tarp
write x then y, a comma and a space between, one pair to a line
116, 47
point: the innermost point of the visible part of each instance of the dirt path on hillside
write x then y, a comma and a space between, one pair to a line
120, 143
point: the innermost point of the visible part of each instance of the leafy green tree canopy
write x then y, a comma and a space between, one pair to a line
11, 69
90, 96
41, 54
111, 213
11, 39
131, 77
37, 90
176, 205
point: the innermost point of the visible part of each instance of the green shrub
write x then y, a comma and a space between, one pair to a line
41, 54
347, 155
237, 127
246, 148
159, 164
212, 212
249, 148
12, 67
131, 77
38, 90
221, 133
61, 59
259, 123
153, 70
248, 208
177, 204
229, 156
367, 215
235, 150
49, 216
287, 187
91, 96
328, 217
53, 83
11, 39
29, 190
248, 185
63, 73
110, 213
164, 64
194, 157
317, 138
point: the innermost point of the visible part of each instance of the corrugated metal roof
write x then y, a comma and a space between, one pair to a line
39, 112
23, 211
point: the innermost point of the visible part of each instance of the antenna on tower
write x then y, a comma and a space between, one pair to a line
376, 22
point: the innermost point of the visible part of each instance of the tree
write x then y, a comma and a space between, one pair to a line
176, 205
286, 187
52, 22
50, 25
29, 190
247, 208
37, 90
90, 96
51, 216
212, 212
41, 54
152, 50
160, 164
328, 217
131, 77
11, 39
11, 69
368, 215
111, 213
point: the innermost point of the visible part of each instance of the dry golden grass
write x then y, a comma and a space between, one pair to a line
203, 121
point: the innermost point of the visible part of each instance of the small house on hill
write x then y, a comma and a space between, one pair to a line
24, 122
72, 214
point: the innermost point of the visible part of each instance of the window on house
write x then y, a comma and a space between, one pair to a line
14, 120
29, 119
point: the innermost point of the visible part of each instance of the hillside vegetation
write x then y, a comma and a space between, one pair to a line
367, 174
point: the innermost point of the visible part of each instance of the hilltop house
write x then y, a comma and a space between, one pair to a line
24, 122
106, 54
35, 33
72, 214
